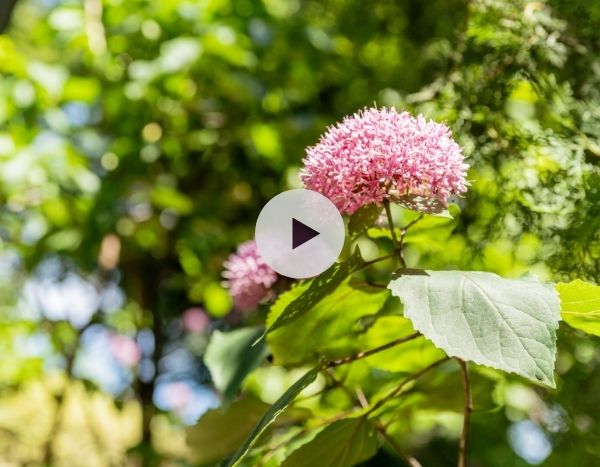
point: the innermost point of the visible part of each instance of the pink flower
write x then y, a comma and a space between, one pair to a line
195, 320
378, 154
249, 279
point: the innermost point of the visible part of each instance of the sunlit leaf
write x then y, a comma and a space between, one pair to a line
328, 329
303, 297
580, 305
481, 317
408, 357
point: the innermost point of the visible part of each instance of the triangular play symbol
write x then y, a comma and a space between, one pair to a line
301, 233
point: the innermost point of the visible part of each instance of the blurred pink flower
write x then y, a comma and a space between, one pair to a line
195, 320
125, 350
249, 278
377, 154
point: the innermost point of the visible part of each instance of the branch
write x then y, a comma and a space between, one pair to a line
368, 353
376, 260
404, 382
408, 459
462, 451
403, 234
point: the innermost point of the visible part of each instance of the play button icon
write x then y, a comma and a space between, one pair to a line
299, 233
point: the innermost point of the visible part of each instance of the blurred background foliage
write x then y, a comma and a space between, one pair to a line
139, 139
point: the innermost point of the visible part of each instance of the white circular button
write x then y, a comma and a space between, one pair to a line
299, 233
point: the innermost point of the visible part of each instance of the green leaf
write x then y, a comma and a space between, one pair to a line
409, 357
444, 391
269, 417
219, 432
580, 305
342, 444
445, 213
434, 227
306, 295
231, 356
481, 317
431, 228
328, 329
440, 391
363, 218
382, 232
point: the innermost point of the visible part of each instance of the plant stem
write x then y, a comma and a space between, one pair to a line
401, 386
388, 213
462, 451
398, 245
413, 222
367, 353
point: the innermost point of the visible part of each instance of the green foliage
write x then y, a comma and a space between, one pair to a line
405, 358
329, 329
428, 233
481, 317
580, 305
221, 431
344, 443
231, 356
306, 295
155, 131
272, 413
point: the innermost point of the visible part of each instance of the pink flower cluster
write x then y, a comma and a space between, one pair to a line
378, 154
249, 278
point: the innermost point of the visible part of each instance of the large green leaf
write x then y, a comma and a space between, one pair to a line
342, 444
306, 295
230, 356
269, 417
502, 323
580, 305
221, 431
328, 329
